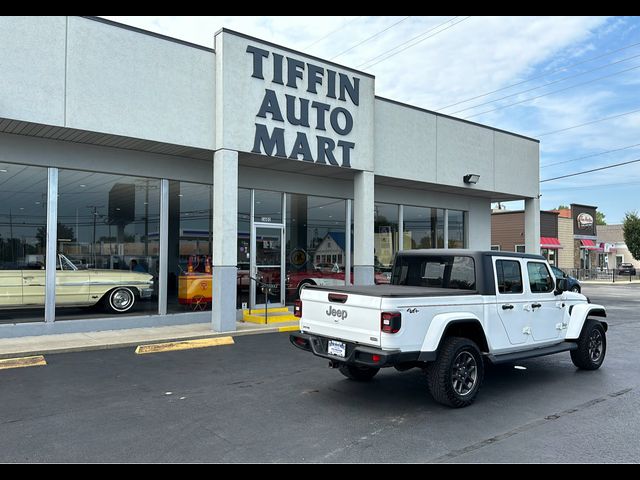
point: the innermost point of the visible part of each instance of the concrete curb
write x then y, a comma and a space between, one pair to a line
134, 343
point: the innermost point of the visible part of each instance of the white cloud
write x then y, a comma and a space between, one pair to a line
479, 55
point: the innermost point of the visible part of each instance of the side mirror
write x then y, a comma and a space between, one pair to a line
561, 286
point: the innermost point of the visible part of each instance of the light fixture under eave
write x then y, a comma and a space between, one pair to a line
471, 178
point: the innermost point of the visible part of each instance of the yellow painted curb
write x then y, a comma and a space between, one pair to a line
35, 361
184, 345
291, 328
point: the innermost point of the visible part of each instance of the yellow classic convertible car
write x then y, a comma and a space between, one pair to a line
116, 290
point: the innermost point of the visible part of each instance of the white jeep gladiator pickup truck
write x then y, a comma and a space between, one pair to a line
448, 312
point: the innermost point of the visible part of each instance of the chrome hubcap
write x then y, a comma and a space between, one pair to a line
121, 299
464, 373
595, 346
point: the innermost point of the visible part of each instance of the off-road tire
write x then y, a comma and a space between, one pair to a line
592, 346
455, 377
357, 372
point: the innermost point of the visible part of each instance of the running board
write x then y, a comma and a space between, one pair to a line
537, 352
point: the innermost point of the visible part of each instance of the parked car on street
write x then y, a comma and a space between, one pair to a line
626, 269
573, 285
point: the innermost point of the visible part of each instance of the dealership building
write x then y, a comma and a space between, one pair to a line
123, 151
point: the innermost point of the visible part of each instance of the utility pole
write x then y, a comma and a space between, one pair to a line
93, 243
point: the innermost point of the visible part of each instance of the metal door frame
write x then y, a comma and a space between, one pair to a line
253, 268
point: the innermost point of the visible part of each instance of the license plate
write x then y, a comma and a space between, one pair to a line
338, 349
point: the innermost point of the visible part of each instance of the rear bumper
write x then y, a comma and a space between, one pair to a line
358, 354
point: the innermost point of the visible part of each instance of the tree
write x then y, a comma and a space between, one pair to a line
600, 218
631, 232
563, 207
64, 232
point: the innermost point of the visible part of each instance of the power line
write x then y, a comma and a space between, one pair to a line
530, 79
410, 40
415, 43
590, 171
546, 84
554, 92
332, 32
589, 156
369, 38
594, 186
587, 123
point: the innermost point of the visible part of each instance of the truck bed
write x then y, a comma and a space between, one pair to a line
396, 291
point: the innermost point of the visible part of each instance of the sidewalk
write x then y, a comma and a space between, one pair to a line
76, 342
619, 281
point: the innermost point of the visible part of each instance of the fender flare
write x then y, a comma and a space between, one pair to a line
579, 314
439, 325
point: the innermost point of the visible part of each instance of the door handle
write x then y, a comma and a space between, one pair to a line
536, 305
507, 307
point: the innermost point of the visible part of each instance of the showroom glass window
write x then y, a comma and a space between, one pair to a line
385, 237
108, 245
23, 222
189, 247
268, 206
423, 227
456, 229
315, 242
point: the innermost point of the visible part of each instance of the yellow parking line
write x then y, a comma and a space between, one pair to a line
35, 361
184, 345
292, 328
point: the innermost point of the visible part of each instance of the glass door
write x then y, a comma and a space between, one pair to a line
267, 265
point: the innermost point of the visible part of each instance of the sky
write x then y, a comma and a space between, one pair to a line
571, 82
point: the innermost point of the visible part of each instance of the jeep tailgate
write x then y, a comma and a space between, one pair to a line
340, 315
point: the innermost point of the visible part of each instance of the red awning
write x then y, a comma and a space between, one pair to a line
591, 245
549, 242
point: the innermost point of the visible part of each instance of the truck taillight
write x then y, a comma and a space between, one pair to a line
297, 308
390, 322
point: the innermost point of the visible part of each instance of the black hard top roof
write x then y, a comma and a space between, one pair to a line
434, 252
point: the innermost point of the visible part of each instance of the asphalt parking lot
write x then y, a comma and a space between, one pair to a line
262, 400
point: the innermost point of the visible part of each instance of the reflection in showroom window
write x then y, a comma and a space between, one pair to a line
108, 237
190, 248
23, 221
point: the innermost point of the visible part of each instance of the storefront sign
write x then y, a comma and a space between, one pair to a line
585, 221
302, 96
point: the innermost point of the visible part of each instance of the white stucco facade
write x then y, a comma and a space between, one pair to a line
89, 95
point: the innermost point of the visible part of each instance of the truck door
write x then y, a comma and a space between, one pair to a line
511, 299
546, 310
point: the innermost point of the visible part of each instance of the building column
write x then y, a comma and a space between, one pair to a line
363, 218
225, 238
532, 225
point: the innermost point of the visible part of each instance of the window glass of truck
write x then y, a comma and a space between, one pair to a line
456, 272
540, 279
509, 276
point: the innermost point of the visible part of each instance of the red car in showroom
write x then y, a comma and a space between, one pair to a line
324, 274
